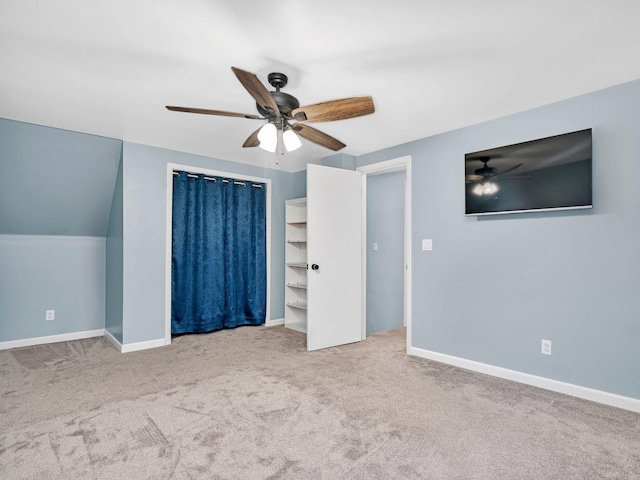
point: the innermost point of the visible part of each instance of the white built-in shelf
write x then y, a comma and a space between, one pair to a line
297, 265
300, 305
299, 326
295, 254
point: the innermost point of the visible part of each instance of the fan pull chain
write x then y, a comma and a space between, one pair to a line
280, 143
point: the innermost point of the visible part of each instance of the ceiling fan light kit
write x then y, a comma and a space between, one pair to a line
284, 114
268, 136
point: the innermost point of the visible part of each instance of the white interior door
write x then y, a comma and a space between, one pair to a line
334, 242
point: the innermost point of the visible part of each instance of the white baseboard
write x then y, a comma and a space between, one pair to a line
133, 347
612, 399
274, 322
63, 337
114, 341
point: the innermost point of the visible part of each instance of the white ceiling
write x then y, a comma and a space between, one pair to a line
110, 67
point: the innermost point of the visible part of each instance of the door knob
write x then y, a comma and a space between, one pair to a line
315, 266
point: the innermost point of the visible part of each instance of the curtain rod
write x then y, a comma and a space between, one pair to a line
212, 179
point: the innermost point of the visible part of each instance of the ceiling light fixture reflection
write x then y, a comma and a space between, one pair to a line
486, 188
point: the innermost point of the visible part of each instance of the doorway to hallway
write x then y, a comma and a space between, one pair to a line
385, 252
386, 246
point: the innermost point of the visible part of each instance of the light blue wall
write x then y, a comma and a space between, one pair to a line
55, 182
55, 194
385, 267
145, 190
340, 160
299, 184
493, 287
115, 261
39, 273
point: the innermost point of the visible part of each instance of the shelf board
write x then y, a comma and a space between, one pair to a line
297, 265
300, 305
297, 285
297, 241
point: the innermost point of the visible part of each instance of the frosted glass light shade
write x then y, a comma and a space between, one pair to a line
269, 147
268, 136
291, 140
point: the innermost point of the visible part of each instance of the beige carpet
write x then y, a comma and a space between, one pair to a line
251, 403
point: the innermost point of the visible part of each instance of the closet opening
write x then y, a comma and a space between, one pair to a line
218, 250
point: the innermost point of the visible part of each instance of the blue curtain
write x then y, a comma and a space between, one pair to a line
219, 266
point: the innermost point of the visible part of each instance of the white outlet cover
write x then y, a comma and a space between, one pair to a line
427, 244
50, 315
546, 347
375, 247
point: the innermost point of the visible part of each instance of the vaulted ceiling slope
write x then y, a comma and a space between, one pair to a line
55, 182
109, 68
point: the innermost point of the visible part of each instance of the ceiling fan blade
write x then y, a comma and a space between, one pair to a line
256, 89
205, 111
252, 141
510, 169
316, 136
472, 178
335, 110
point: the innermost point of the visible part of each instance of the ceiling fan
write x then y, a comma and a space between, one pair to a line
483, 176
284, 114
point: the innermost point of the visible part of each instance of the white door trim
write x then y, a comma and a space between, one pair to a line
400, 164
168, 234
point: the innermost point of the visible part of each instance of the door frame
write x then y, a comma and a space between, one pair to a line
169, 234
400, 164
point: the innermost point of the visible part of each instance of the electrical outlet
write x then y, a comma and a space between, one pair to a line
546, 347
50, 315
375, 247
427, 244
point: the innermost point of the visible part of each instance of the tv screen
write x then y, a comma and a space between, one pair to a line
546, 174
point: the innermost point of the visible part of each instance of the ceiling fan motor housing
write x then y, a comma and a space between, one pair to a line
286, 103
486, 171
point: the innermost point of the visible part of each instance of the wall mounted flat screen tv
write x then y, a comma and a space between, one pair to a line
551, 173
